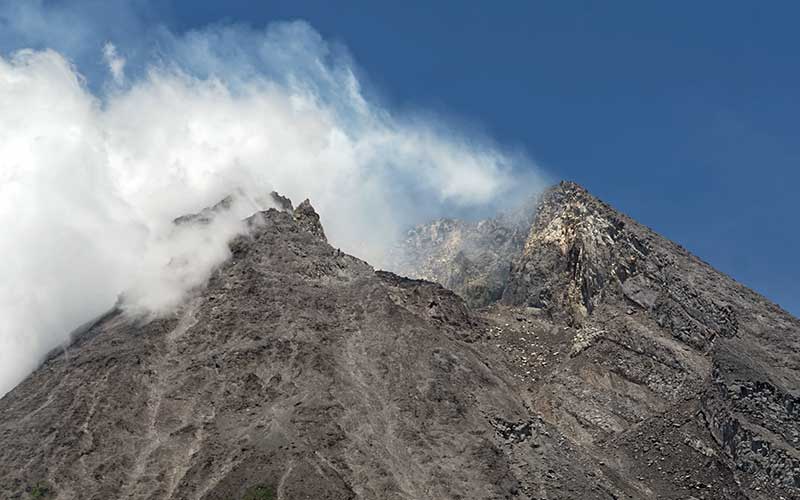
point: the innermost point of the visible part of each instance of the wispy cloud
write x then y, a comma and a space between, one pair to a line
91, 179
116, 63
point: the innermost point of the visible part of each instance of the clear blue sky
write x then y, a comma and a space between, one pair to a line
682, 114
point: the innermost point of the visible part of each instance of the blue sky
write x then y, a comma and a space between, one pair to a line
681, 114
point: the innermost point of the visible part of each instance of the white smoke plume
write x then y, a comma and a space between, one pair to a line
91, 176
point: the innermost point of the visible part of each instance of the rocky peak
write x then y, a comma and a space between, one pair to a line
582, 254
282, 202
576, 248
308, 219
305, 215
206, 215
559, 250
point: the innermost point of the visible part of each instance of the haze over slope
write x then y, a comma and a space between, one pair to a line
95, 171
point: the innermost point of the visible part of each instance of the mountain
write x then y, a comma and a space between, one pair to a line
568, 352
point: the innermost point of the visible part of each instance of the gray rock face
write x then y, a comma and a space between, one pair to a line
604, 362
472, 258
656, 338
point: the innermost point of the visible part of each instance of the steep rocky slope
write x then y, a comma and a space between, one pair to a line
659, 354
604, 362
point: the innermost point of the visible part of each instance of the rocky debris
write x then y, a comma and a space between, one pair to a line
440, 306
584, 339
674, 455
757, 426
566, 353
514, 432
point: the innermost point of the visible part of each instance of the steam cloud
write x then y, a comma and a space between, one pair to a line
91, 176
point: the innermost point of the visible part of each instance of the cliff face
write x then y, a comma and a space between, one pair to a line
603, 362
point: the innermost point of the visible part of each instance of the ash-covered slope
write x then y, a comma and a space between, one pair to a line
608, 364
662, 360
299, 372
